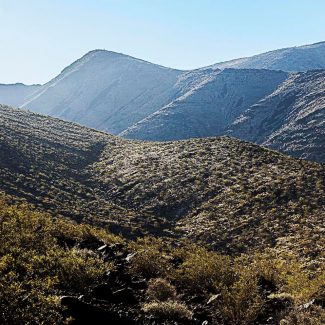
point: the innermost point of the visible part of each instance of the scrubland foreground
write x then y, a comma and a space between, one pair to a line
55, 271
97, 229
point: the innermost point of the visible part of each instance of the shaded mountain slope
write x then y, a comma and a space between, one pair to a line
209, 107
291, 59
232, 194
291, 119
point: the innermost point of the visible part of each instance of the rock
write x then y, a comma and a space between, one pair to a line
125, 296
196, 299
102, 292
129, 257
92, 243
213, 299
102, 248
274, 305
85, 313
308, 304
138, 284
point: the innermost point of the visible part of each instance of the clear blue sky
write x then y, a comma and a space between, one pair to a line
39, 38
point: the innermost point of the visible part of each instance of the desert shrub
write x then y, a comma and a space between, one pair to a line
35, 270
290, 274
168, 310
25, 301
76, 269
314, 315
203, 270
160, 290
71, 231
151, 259
240, 303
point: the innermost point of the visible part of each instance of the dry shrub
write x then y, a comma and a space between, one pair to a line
203, 270
241, 302
151, 259
168, 310
315, 315
160, 290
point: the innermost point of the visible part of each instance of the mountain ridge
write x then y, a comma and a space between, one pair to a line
134, 98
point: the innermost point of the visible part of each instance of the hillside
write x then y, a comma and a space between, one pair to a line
233, 195
291, 59
209, 108
259, 215
291, 119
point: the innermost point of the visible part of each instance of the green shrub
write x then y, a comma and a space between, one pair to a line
203, 270
241, 302
35, 270
151, 259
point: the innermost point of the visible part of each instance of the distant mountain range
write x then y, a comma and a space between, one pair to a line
136, 99
16, 94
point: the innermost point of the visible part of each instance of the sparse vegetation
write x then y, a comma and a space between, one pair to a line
238, 229
38, 265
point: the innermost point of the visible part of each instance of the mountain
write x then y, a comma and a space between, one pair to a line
16, 94
291, 59
234, 195
136, 99
291, 119
208, 107
106, 90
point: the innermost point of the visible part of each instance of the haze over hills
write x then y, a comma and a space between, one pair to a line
140, 100
234, 195
16, 94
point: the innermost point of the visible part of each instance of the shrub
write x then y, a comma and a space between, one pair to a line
203, 270
312, 316
160, 290
151, 259
241, 302
168, 310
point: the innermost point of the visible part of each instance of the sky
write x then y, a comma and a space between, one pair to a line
38, 38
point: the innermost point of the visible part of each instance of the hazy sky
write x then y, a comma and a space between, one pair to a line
40, 37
